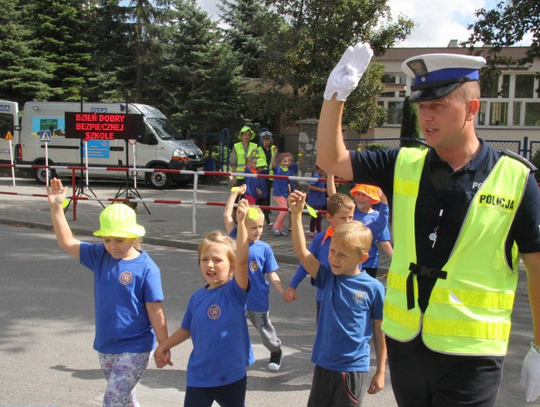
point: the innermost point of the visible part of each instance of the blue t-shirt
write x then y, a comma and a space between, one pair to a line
261, 262
121, 290
319, 247
348, 306
316, 198
217, 322
253, 183
377, 222
281, 186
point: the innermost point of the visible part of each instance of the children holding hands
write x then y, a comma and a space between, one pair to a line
216, 322
351, 312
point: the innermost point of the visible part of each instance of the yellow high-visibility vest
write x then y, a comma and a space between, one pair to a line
469, 311
241, 156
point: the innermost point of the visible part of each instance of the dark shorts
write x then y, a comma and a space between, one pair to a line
337, 389
423, 378
230, 395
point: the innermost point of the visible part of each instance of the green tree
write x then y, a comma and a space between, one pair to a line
200, 74
23, 73
409, 120
61, 27
310, 39
245, 31
506, 25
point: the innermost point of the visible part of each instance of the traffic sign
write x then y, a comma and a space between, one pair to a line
45, 136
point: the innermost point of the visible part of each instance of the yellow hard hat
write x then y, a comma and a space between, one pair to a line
119, 220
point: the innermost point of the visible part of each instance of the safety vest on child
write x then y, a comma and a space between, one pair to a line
470, 307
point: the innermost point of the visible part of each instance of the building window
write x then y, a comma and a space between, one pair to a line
524, 86
517, 113
532, 114
394, 113
482, 113
496, 89
392, 78
498, 115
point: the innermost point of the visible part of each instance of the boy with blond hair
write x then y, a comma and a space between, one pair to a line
339, 209
351, 312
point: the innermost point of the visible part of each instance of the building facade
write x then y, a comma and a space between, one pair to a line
509, 108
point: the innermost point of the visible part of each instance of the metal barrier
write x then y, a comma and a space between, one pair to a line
194, 202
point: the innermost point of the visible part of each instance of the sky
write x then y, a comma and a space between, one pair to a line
438, 21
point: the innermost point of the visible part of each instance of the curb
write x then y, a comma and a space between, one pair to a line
181, 244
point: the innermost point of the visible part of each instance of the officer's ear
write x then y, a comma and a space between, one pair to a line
473, 106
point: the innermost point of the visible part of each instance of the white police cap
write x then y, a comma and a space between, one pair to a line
437, 75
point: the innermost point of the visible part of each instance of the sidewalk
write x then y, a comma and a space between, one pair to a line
166, 225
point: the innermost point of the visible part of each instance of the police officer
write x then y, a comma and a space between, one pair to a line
451, 284
241, 151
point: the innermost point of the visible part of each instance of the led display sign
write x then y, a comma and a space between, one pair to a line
103, 126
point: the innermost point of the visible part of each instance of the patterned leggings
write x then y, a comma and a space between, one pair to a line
122, 371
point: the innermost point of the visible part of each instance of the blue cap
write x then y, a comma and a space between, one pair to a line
437, 75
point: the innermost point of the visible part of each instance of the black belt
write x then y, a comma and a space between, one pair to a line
423, 271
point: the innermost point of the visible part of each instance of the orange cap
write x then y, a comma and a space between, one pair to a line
370, 190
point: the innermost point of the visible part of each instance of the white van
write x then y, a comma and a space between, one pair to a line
159, 146
9, 123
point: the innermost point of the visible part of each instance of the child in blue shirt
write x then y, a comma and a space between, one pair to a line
262, 268
283, 165
127, 292
316, 199
365, 197
216, 322
340, 209
351, 312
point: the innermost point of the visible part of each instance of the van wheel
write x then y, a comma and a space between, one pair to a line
158, 180
40, 174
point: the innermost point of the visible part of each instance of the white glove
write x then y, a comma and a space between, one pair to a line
348, 72
530, 375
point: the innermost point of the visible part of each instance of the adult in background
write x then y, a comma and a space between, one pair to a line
265, 153
460, 211
241, 151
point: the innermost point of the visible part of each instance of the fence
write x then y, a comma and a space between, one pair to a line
217, 146
77, 195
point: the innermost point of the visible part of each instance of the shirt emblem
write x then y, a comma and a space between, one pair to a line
214, 311
126, 277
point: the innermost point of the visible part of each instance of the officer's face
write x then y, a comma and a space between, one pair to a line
443, 121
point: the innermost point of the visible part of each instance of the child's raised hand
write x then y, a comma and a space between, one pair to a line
242, 210
56, 192
240, 190
274, 149
297, 199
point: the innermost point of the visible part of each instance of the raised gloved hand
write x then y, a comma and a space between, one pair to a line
347, 73
530, 375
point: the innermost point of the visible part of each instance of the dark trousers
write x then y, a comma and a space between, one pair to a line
423, 378
337, 389
230, 395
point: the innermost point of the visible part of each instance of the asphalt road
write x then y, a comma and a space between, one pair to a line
47, 322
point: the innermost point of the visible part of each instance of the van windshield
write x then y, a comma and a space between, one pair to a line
164, 128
